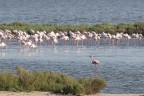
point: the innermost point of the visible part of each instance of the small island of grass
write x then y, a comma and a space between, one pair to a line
137, 27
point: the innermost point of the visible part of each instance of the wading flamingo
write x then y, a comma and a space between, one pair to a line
94, 61
2, 46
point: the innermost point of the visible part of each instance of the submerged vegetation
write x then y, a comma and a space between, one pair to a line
137, 27
47, 81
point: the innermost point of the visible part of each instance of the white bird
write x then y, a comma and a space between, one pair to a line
3, 45
33, 46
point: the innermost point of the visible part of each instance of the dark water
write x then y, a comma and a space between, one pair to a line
121, 66
71, 11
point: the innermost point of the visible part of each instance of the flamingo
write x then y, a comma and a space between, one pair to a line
96, 38
29, 43
33, 46
83, 37
95, 62
77, 39
3, 45
64, 39
40, 40
104, 36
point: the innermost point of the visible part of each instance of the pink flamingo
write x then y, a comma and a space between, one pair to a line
83, 37
77, 39
94, 61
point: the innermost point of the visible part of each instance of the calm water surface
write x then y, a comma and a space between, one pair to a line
71, 11
121, 66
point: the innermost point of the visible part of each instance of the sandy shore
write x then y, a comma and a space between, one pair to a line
35, 93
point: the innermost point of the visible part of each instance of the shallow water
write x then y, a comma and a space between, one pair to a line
121, 66
71, 11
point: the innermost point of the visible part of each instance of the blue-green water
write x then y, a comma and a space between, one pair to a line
71, 11
121, 66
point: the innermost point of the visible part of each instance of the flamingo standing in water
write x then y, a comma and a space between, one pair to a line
2, 46
94, 61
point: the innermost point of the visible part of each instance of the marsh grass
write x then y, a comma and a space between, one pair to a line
92, 85
137, 27
47, 81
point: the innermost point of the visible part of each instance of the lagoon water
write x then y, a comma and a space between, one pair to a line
71, 11
121, 66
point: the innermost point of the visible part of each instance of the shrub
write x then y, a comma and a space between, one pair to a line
8, 81
47, 81
92, 85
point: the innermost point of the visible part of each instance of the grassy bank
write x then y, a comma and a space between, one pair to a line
47, 81
137, 27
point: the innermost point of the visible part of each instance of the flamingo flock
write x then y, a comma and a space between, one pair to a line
76, 38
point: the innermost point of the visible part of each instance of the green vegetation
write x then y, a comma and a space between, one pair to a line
137, 27
47, 81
